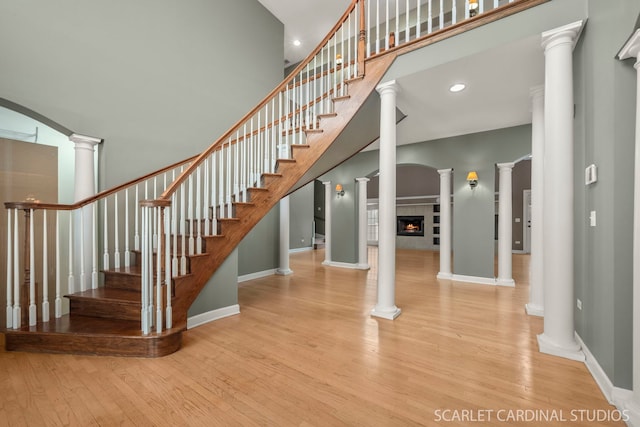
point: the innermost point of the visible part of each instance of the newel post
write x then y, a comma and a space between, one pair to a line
362, 35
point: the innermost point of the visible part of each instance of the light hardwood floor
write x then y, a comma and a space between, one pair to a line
305, 352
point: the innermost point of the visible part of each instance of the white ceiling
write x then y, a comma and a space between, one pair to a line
498, 80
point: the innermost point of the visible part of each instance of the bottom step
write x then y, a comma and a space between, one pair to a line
92, 335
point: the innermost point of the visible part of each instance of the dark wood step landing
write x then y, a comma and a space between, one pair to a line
93, 335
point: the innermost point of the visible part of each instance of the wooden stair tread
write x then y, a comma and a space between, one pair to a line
103, 293
93, 335
327, 115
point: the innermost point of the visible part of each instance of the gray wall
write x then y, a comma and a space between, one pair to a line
474, 211
301, 217
259, 250
222, 289
604, 135
151, 77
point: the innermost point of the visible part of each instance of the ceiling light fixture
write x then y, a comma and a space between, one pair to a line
297, 42
457, 87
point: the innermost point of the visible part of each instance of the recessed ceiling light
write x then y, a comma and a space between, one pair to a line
296, 42
457, 87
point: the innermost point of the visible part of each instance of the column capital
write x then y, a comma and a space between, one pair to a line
569, 33
363, 179
445, 171
84, 139
505, 166
388, 87
631, 48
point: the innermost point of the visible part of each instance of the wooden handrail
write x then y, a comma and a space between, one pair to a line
27, 204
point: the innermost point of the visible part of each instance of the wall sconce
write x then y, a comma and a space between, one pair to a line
338, 59
472, 179
339, 190
473, 8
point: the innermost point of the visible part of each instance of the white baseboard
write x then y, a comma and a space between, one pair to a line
474, 279
210, 316
257, 275
619, 397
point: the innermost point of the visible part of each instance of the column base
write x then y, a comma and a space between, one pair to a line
506, 282
284, 272
444, 276
386, 313
534, 310
362, 266
572, 351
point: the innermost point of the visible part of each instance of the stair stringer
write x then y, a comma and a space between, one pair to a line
217, 250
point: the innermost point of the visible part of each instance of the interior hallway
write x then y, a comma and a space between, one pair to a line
305, 351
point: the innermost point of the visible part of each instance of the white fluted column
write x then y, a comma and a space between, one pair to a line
505, 225
386, 307
445, 224
327, 222
363, 255
84, 187
632, 50
558, 337
284, 269
535, 306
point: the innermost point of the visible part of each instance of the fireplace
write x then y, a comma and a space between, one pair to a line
410, 226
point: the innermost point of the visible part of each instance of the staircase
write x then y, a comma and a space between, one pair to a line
184, 220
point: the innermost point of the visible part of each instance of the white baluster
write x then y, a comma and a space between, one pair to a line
454, 10
151, 245
368, 34
45, 269
94, 246
83, 282
136, 238
167, 269
342, 58
386, 31
398, 41
481, 9
205, 202
407, 30
495, 4
429, 17
127, 252
192, 241
356, 44
377, 26
143, 287
71, 280
198, 211
9, 272
116, 233
214, 199
174, 230
230, 176
221, 181
419, 17
441, 15
183, 233
105, 256
17, 311
154, 222
159, 254
33, 314
466, 9
58, 303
